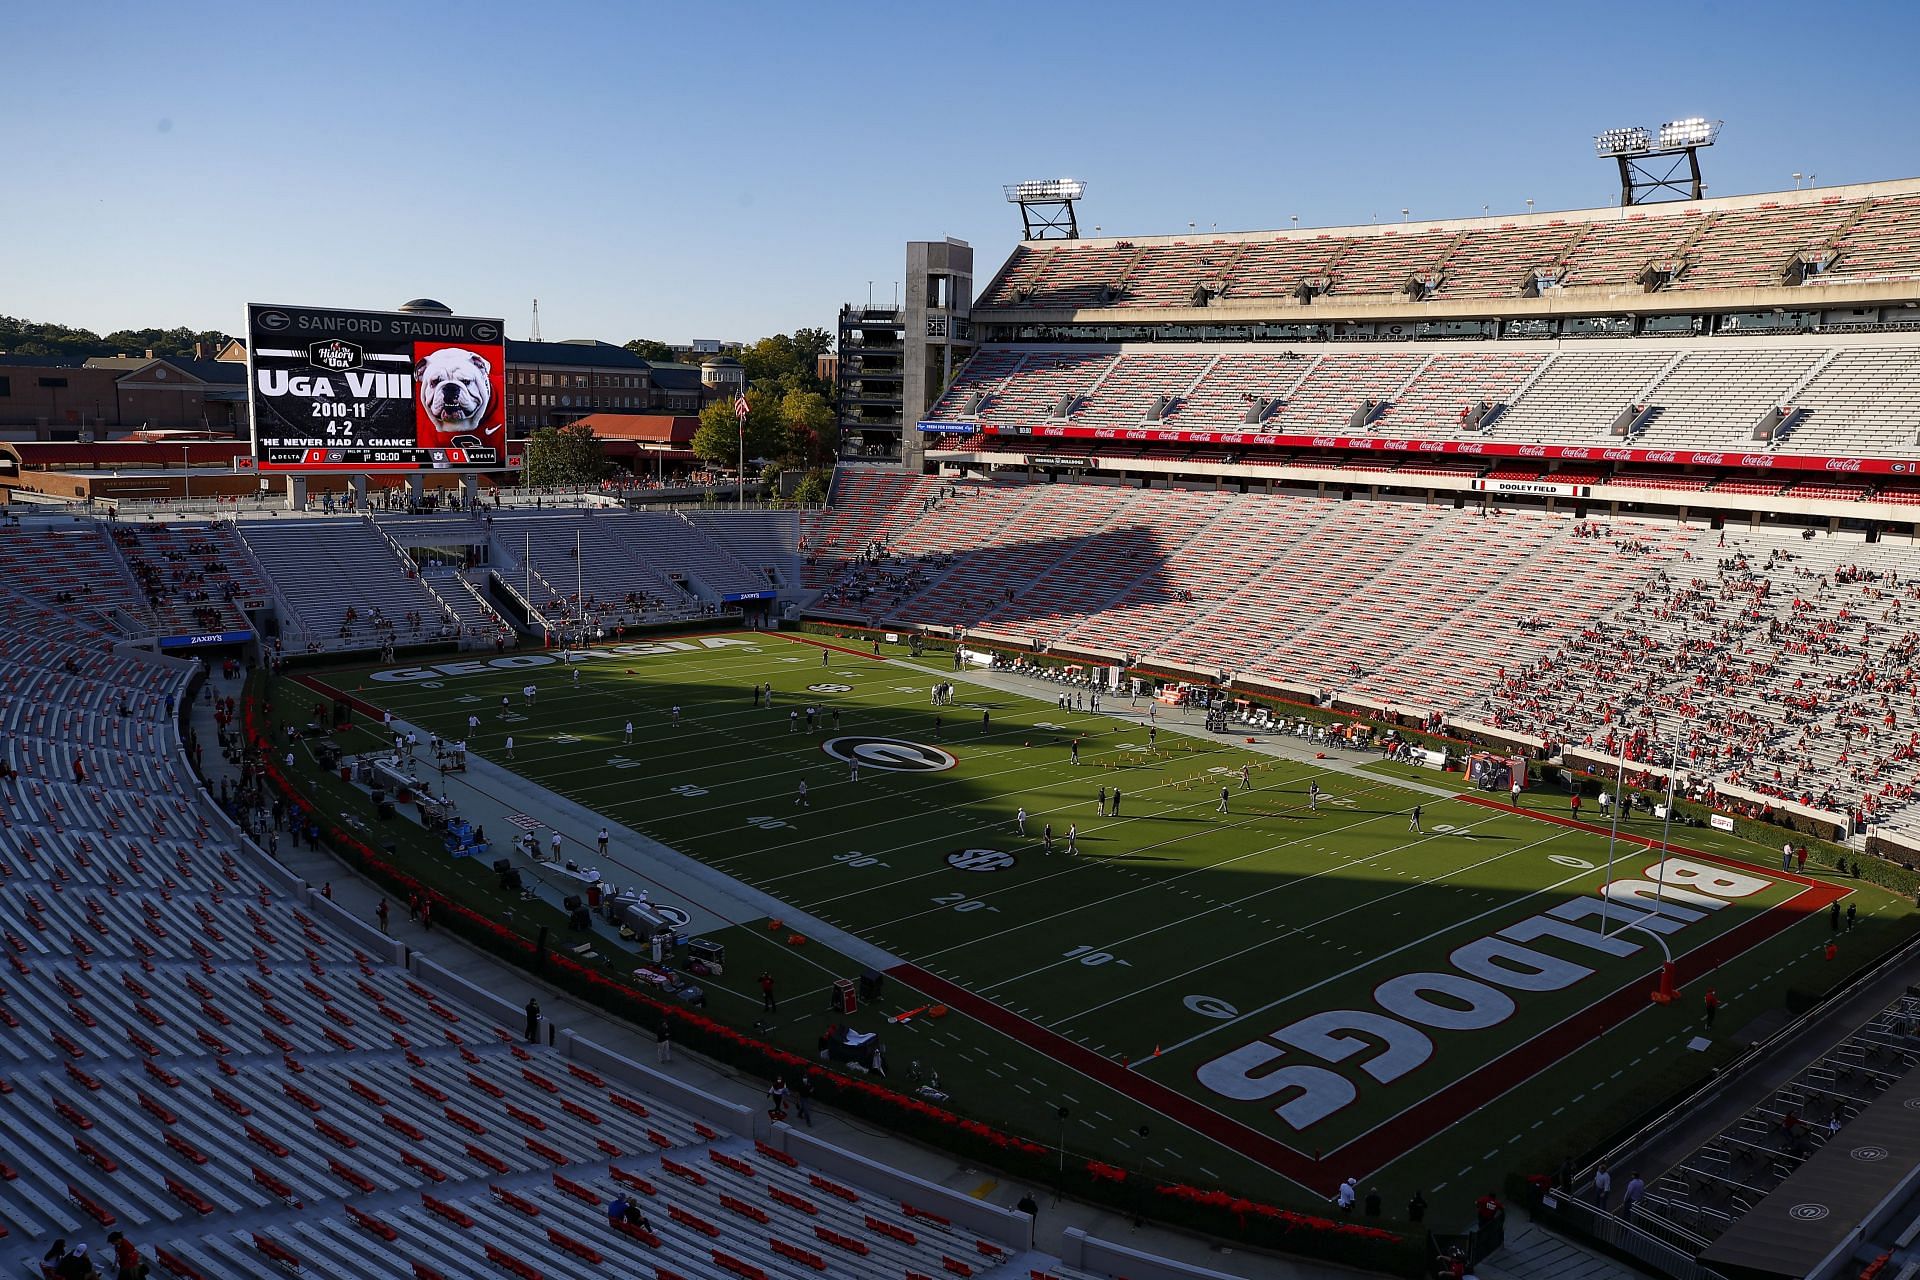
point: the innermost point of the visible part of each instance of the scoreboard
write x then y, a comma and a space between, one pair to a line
335, 390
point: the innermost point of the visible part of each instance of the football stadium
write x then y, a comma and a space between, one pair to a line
1385, 749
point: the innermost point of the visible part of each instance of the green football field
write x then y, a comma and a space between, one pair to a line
1281, 995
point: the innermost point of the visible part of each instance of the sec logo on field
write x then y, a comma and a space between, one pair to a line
829, 688
979, 860
896, 754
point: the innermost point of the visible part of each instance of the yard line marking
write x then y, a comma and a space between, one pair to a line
1351, 970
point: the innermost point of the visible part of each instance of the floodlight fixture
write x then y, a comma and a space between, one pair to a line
1046, 207
1628, 141
1045, 189
1694, 131
1658, 164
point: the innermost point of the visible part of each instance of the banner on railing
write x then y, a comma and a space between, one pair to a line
1842, 465
209, 637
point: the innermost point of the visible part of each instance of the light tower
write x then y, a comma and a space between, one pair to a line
1659, 166
1046, 207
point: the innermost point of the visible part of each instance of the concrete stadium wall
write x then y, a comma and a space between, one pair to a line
1009, 1226
728, 1116
1078, 1249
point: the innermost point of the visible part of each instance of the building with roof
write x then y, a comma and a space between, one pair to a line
50, 398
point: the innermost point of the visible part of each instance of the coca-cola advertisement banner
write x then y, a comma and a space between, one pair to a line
1472, 449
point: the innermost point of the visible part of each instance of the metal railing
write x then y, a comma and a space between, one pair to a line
1622, 1234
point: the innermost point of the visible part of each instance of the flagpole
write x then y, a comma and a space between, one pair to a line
1613, 837
740, 420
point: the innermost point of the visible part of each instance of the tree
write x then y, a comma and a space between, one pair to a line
37, 338
566, 455
812, 437
788, 359
651, 349
812, 489
717, 440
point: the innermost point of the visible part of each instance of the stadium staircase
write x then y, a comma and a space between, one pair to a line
1532, 1252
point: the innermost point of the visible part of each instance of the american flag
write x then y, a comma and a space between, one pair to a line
740, 405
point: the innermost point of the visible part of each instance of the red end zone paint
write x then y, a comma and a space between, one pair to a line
1402, 1133
319, 686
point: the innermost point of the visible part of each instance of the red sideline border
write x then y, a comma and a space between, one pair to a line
1439, 1111
799, 638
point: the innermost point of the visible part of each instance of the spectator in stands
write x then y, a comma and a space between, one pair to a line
1026, 1205
126, 1257
76, 1265
50, 1260
533, 1020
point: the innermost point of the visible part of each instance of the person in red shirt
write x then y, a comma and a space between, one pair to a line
1712, 1004
126, 1257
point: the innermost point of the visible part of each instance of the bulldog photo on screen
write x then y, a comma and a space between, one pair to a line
456, 390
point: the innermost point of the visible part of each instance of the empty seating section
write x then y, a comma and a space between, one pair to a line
1033, 395
766, 542
205, 1063
1177, 272
1073, 273
1501, 266
1134, 383
1881, 242
1384, 263
323, 568
1753, 247
1221, 401
625, 559
1439, 401
79, 570
1278, 268
1715, 399
1578, 396
1860, 400
1614, 254
1712, 248
1329, 398
1311, 591
985, 375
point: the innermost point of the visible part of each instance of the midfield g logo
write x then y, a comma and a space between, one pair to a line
894, 754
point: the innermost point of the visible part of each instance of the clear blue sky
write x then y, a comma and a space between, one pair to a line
731, 170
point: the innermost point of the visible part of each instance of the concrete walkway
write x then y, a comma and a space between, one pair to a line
1056, 1216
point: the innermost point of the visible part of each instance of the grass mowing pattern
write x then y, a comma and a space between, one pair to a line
1170, 913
